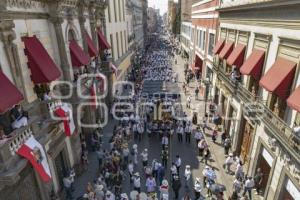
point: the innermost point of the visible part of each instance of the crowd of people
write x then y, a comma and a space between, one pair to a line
163, 177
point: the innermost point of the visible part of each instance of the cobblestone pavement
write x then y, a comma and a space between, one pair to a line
188, 153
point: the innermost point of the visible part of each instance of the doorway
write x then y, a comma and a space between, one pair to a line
246, 139
265, 161
61, 168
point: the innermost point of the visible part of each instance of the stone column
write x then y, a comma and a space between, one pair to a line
82, 20
65, 66
7, 35
108, 72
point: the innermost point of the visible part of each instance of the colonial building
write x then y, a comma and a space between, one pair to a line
153, 16
47, 50
118, 36
204, 28
185, 10
256, 80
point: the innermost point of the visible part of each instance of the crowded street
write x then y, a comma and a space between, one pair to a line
166, 148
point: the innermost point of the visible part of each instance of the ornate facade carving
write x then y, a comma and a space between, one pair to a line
25, 3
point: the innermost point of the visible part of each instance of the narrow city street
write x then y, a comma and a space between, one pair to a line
187, 151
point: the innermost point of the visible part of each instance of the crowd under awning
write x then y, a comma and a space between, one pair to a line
102, 42
294, 100
78, 56
92, 49
10, 94
237, 56
279, 78
226, 51
254, 64
43, 69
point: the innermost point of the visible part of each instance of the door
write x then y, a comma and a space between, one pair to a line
247, 138
265, 169
61, 168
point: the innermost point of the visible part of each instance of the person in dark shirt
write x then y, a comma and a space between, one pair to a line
258, 177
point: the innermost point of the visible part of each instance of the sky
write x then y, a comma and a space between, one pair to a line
160, 4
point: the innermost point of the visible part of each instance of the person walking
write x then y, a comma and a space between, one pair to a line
67, 185
201, 146
228, 163
164, 190
197, 188
237, 185
178, 163
214, 135
164, 157
176, 185
150, 184
137, 182
188, 132
164, 141
227, 145
180, 131
100, 155
196, 93
130, 170
249, 185
206, 155
258, 178
144, 155
188, 102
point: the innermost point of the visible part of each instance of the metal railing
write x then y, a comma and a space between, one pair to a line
282, 131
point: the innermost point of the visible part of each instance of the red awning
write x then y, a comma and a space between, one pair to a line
227, 49
237, 56
294, 100
43, 69
93, 52
279, 78
78, 57
102, 42
254, 64
10, 95
218, 47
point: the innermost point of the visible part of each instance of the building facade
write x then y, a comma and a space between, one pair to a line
256, 87
47, 48
153, 16
186, 8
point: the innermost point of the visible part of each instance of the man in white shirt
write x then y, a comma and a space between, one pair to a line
249, 185
130, 170
237, 185
180, 133
228, 163
164, 141
188, 132
137, 182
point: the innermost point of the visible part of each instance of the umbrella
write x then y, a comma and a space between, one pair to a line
217, 188
211, 174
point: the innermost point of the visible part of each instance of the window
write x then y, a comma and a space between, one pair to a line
124, 11
203, 40
120, 10
200, 39
211, 44
109, 12
115, 10
112, 46
126, 40
122, 42
118, 45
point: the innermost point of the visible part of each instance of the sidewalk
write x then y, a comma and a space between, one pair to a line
217, 150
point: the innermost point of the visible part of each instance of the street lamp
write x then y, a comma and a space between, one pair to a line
206, 83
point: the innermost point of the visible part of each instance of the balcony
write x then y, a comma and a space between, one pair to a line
282, 132
228, 82
245, 95
40, 125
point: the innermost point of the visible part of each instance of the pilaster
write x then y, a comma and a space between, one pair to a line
7, 36
65, 66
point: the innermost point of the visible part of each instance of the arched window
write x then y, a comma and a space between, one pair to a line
71, 35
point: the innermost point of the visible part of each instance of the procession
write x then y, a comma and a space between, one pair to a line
143, 159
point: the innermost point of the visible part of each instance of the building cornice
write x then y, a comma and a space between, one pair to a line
288, 24
259, 5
